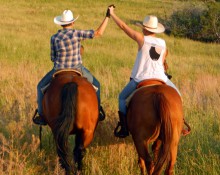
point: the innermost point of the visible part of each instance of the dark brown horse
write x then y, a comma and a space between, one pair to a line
71, 107
155, 116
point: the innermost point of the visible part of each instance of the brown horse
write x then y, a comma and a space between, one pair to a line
155, 116
70, 106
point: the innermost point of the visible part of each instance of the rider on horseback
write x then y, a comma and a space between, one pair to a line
149, 61
66, 54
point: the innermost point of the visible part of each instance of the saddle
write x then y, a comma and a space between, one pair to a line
145, 83
72, 72
150, 82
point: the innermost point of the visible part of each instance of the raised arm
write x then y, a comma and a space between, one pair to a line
138, 37
101, 28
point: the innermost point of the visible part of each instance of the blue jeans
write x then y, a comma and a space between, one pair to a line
44, 81
48, 77
128, 89
87, 74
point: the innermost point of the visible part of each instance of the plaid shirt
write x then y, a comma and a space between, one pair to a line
65, 47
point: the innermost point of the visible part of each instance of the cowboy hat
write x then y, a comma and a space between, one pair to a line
151, 24
65, 18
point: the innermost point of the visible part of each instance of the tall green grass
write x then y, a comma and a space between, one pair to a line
26, 27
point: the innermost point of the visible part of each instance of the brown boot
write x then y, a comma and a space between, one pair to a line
123, 123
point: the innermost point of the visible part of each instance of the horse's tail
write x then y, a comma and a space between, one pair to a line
163, 113
64, 123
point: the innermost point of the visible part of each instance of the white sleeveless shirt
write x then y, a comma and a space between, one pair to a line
149, 60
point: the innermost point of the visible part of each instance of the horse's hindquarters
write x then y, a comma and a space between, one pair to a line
155, 115
71, 107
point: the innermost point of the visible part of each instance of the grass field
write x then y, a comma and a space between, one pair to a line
26, 27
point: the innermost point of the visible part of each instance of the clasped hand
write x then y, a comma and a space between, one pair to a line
108, 10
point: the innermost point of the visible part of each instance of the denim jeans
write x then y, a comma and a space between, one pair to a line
86, 73
128, 89
48, 77
44, 81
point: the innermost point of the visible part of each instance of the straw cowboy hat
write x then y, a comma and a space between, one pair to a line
65, 18
151, 24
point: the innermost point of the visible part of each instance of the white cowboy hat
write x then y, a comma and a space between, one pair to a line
151, 24
65, 18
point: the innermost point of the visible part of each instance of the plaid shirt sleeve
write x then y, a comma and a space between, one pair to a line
84, 34
52, 53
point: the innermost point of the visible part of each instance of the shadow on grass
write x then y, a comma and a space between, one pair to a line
104, 134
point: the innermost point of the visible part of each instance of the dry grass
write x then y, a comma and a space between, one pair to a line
24, 59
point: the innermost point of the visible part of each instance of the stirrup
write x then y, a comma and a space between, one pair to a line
116, 129
37, 119
120, 134
101, 114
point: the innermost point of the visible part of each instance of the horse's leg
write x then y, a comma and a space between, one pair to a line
170, 165
142, 165
149, 163
155, 148
145, 160
81, 142
173, 155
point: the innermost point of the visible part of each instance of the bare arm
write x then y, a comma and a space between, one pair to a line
101, 28
138, 37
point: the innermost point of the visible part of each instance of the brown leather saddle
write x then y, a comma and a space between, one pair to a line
63, 72
150, 82
145, 83
72, 72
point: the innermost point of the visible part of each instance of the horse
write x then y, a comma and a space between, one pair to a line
70, 107
155, 120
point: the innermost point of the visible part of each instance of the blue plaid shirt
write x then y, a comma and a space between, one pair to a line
65, 47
